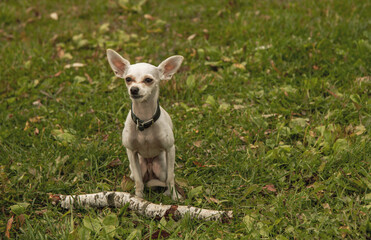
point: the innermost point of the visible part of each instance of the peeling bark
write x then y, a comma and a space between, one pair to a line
139, 205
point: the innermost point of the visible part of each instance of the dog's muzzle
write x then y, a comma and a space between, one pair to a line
134, 93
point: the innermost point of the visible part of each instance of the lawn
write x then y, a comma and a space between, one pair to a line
271, 109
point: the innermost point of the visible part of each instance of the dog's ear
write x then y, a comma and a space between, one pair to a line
118, 64
170, 66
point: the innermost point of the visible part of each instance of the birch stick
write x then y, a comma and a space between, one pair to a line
139, 205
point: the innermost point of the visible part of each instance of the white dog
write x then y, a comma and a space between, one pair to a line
148, 135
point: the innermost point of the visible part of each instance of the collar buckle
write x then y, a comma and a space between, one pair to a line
143, 125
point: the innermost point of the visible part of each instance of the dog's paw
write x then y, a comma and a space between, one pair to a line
139, 194
167, 193
176, 196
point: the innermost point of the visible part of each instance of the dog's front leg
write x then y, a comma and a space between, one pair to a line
170, 181
136, 172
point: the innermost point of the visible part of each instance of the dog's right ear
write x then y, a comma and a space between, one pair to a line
118, 64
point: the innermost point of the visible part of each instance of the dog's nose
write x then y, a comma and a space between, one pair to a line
134, 90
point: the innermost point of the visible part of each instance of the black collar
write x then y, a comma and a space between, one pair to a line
141, 125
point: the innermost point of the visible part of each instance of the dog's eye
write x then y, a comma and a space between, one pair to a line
128, 79
148, 80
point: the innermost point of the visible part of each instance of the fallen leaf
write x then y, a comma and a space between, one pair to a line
263, 47
333, 94
57, 74
20, 220
238, 134
127, 184
89, 78
55, 36
105, 137
35, 119
67, 56
27, 126
135, 6
253, 146
79, 79
75, 65
6, 35
360, 130
226, 59
41, 212
149, 17
223, 107
365, 79
237, 106
115, 163
268, 131
198, 164
54, 198
195, 192
36, 132
191, 81
9, 226
269, 115
159, 234
37, 103
180, 190
60, 52
239, 66
270, 187
104, 28
192, 36
326, 206
54, 16
276, 69
210, 100
211, 199
63, 136
344, 229
197, 143
249, 222
19, 208
46, 94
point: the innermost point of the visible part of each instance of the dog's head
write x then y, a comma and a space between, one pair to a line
142, 79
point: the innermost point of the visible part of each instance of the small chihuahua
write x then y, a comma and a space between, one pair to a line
148, 132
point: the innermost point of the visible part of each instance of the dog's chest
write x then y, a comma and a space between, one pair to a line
149, 143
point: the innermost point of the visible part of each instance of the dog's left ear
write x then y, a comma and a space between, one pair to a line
170, 66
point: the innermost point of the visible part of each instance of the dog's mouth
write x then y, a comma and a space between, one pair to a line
136, 96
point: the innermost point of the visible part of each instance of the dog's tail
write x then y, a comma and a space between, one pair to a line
155, 183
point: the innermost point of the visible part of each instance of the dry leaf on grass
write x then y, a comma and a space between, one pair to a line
9, 226
75, 65
270, 187
211, 199
192, 36
54, 16
127, 184
115, 163
197, 143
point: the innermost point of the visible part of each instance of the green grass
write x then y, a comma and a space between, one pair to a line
271, 111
